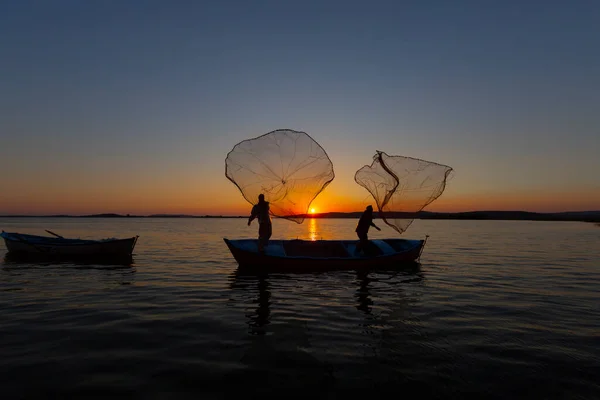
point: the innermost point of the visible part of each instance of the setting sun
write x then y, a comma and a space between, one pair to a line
312, 210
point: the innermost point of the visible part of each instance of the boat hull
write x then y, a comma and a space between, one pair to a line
299, 255
41, 246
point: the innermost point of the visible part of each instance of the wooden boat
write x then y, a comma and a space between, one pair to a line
324, 254
58, 246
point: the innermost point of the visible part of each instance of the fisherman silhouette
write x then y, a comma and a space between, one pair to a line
261, 211
362, 229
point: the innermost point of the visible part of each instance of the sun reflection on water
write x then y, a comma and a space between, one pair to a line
312, 229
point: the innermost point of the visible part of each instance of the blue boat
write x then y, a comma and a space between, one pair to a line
300, 254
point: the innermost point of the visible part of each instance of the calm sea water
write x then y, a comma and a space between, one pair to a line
497, 309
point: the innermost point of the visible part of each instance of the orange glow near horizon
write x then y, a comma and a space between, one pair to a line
180, 198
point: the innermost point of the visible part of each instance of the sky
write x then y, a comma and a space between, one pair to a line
132, 106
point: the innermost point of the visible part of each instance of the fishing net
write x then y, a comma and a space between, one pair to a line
290, 168
402, 186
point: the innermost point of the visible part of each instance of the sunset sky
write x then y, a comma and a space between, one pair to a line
131, 106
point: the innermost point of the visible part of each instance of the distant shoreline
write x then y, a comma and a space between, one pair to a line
581, 216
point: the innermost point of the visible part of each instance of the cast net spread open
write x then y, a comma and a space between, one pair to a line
289, 167
402, 186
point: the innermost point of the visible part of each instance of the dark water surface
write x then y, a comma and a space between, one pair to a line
497, 309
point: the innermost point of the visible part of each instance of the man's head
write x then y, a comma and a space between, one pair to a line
369, 208
261, 197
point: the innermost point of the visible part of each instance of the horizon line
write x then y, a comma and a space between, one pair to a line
307, 215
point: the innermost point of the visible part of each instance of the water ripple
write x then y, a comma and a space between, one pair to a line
496, 309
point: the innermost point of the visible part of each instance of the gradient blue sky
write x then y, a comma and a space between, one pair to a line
132, 106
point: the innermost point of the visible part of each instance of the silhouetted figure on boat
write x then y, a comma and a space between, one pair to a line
362, 229
261, 211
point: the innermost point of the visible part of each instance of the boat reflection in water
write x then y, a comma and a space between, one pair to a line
95, 272
24, 260
111, 270
409, 273
280, 353
296, 338
257, 289
381, 296
363, 298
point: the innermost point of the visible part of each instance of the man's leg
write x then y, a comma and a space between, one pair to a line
264, 233
260, 238
362, 243
268, 233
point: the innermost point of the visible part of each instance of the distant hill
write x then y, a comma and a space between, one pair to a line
516, 215
105, 216
585, 216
